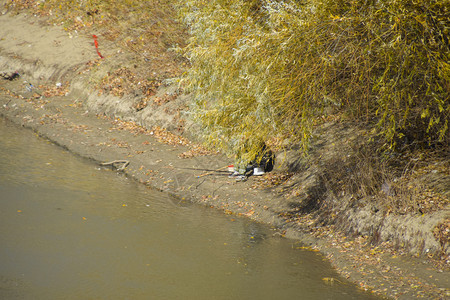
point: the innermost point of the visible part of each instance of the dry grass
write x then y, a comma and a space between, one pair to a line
344, 171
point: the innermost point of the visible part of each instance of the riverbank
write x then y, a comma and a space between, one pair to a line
56, 96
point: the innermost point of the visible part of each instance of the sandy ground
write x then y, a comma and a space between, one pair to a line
53, 96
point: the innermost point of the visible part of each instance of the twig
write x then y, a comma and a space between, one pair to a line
200, 184
113, 163
211, 172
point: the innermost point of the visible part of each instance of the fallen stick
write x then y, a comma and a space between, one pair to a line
212, 172
113, 163
202, 169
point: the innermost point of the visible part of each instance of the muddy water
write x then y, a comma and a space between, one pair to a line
70, 230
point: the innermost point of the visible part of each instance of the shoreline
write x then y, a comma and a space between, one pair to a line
74, 116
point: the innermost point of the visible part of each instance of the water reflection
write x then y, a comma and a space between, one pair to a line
73, 231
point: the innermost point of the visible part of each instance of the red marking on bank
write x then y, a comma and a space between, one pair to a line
96, 45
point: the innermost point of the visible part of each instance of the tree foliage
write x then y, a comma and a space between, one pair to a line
266, 69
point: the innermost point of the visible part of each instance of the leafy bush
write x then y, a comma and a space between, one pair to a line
264, 70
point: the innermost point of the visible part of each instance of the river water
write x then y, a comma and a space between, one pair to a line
71, 230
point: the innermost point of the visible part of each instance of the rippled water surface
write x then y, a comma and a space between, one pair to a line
70, 230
